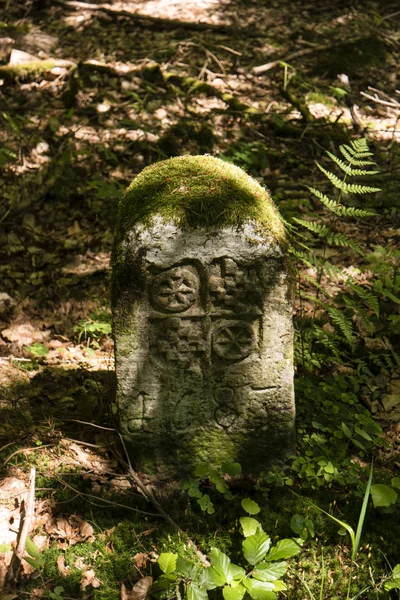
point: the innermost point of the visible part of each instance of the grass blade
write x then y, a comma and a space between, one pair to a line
362, 513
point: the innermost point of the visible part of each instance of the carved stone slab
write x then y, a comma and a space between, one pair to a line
203, 333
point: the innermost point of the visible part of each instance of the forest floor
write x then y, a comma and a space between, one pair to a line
88, 97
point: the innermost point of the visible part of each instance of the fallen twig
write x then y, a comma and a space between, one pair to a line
275, 63
392, 103
29, 511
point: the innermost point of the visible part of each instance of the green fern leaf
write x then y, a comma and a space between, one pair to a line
339, 209
349, 170
314, 226
351, 211
387, 294
346, 187
328, 202
359, 149
354, 161
344, 323
370, 299
338, 239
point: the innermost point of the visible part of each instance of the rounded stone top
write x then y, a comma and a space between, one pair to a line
199, 191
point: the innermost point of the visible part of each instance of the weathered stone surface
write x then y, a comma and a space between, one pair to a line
203, 333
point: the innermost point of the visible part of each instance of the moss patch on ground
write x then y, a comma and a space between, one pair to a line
199, 191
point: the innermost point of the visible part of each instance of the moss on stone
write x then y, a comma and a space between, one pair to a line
199, 191
28, 70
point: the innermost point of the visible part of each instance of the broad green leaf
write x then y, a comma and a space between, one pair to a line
260, 590
284, 549
228, 495
194, 592
269, 571
346, 430
36, 563
202, 470
250, 506
394, 582
194, 491
233, 593
249, 525
236, 572
383, 495
5, 548
31, 548
279, 585
396, 482
218, 481
255, 547
167, 562
210, 579
37, 349
363, 434
297, 524
232, 468
221, 563
188, 569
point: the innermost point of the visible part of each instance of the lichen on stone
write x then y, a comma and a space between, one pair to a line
199, 191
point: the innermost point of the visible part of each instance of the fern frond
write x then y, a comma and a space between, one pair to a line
342, 321
359, 148
351, 211
305, 257
360, 312
349, 170
346, 187
338, 239
339, 209
345, 150
387, 294
314, 226
328, 340
333, 271
368, 297
330, 204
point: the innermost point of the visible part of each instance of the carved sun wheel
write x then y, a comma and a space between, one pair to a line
234, 341
176, 290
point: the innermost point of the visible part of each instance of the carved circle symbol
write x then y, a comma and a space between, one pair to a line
234, 341
175, 290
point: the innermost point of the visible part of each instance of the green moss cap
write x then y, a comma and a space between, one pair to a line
199, 191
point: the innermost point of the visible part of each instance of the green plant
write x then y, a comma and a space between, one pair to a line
211, 478
385, 495
93, 329
35, 558
261, 578
355, 537
57, 593
332, 326
37, 349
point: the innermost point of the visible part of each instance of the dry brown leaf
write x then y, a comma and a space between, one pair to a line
79, 564
24, 334
61, 566
141, 589
89, 578
141, 559
86, 531
124, 595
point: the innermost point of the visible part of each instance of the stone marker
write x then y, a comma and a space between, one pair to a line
202, 320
